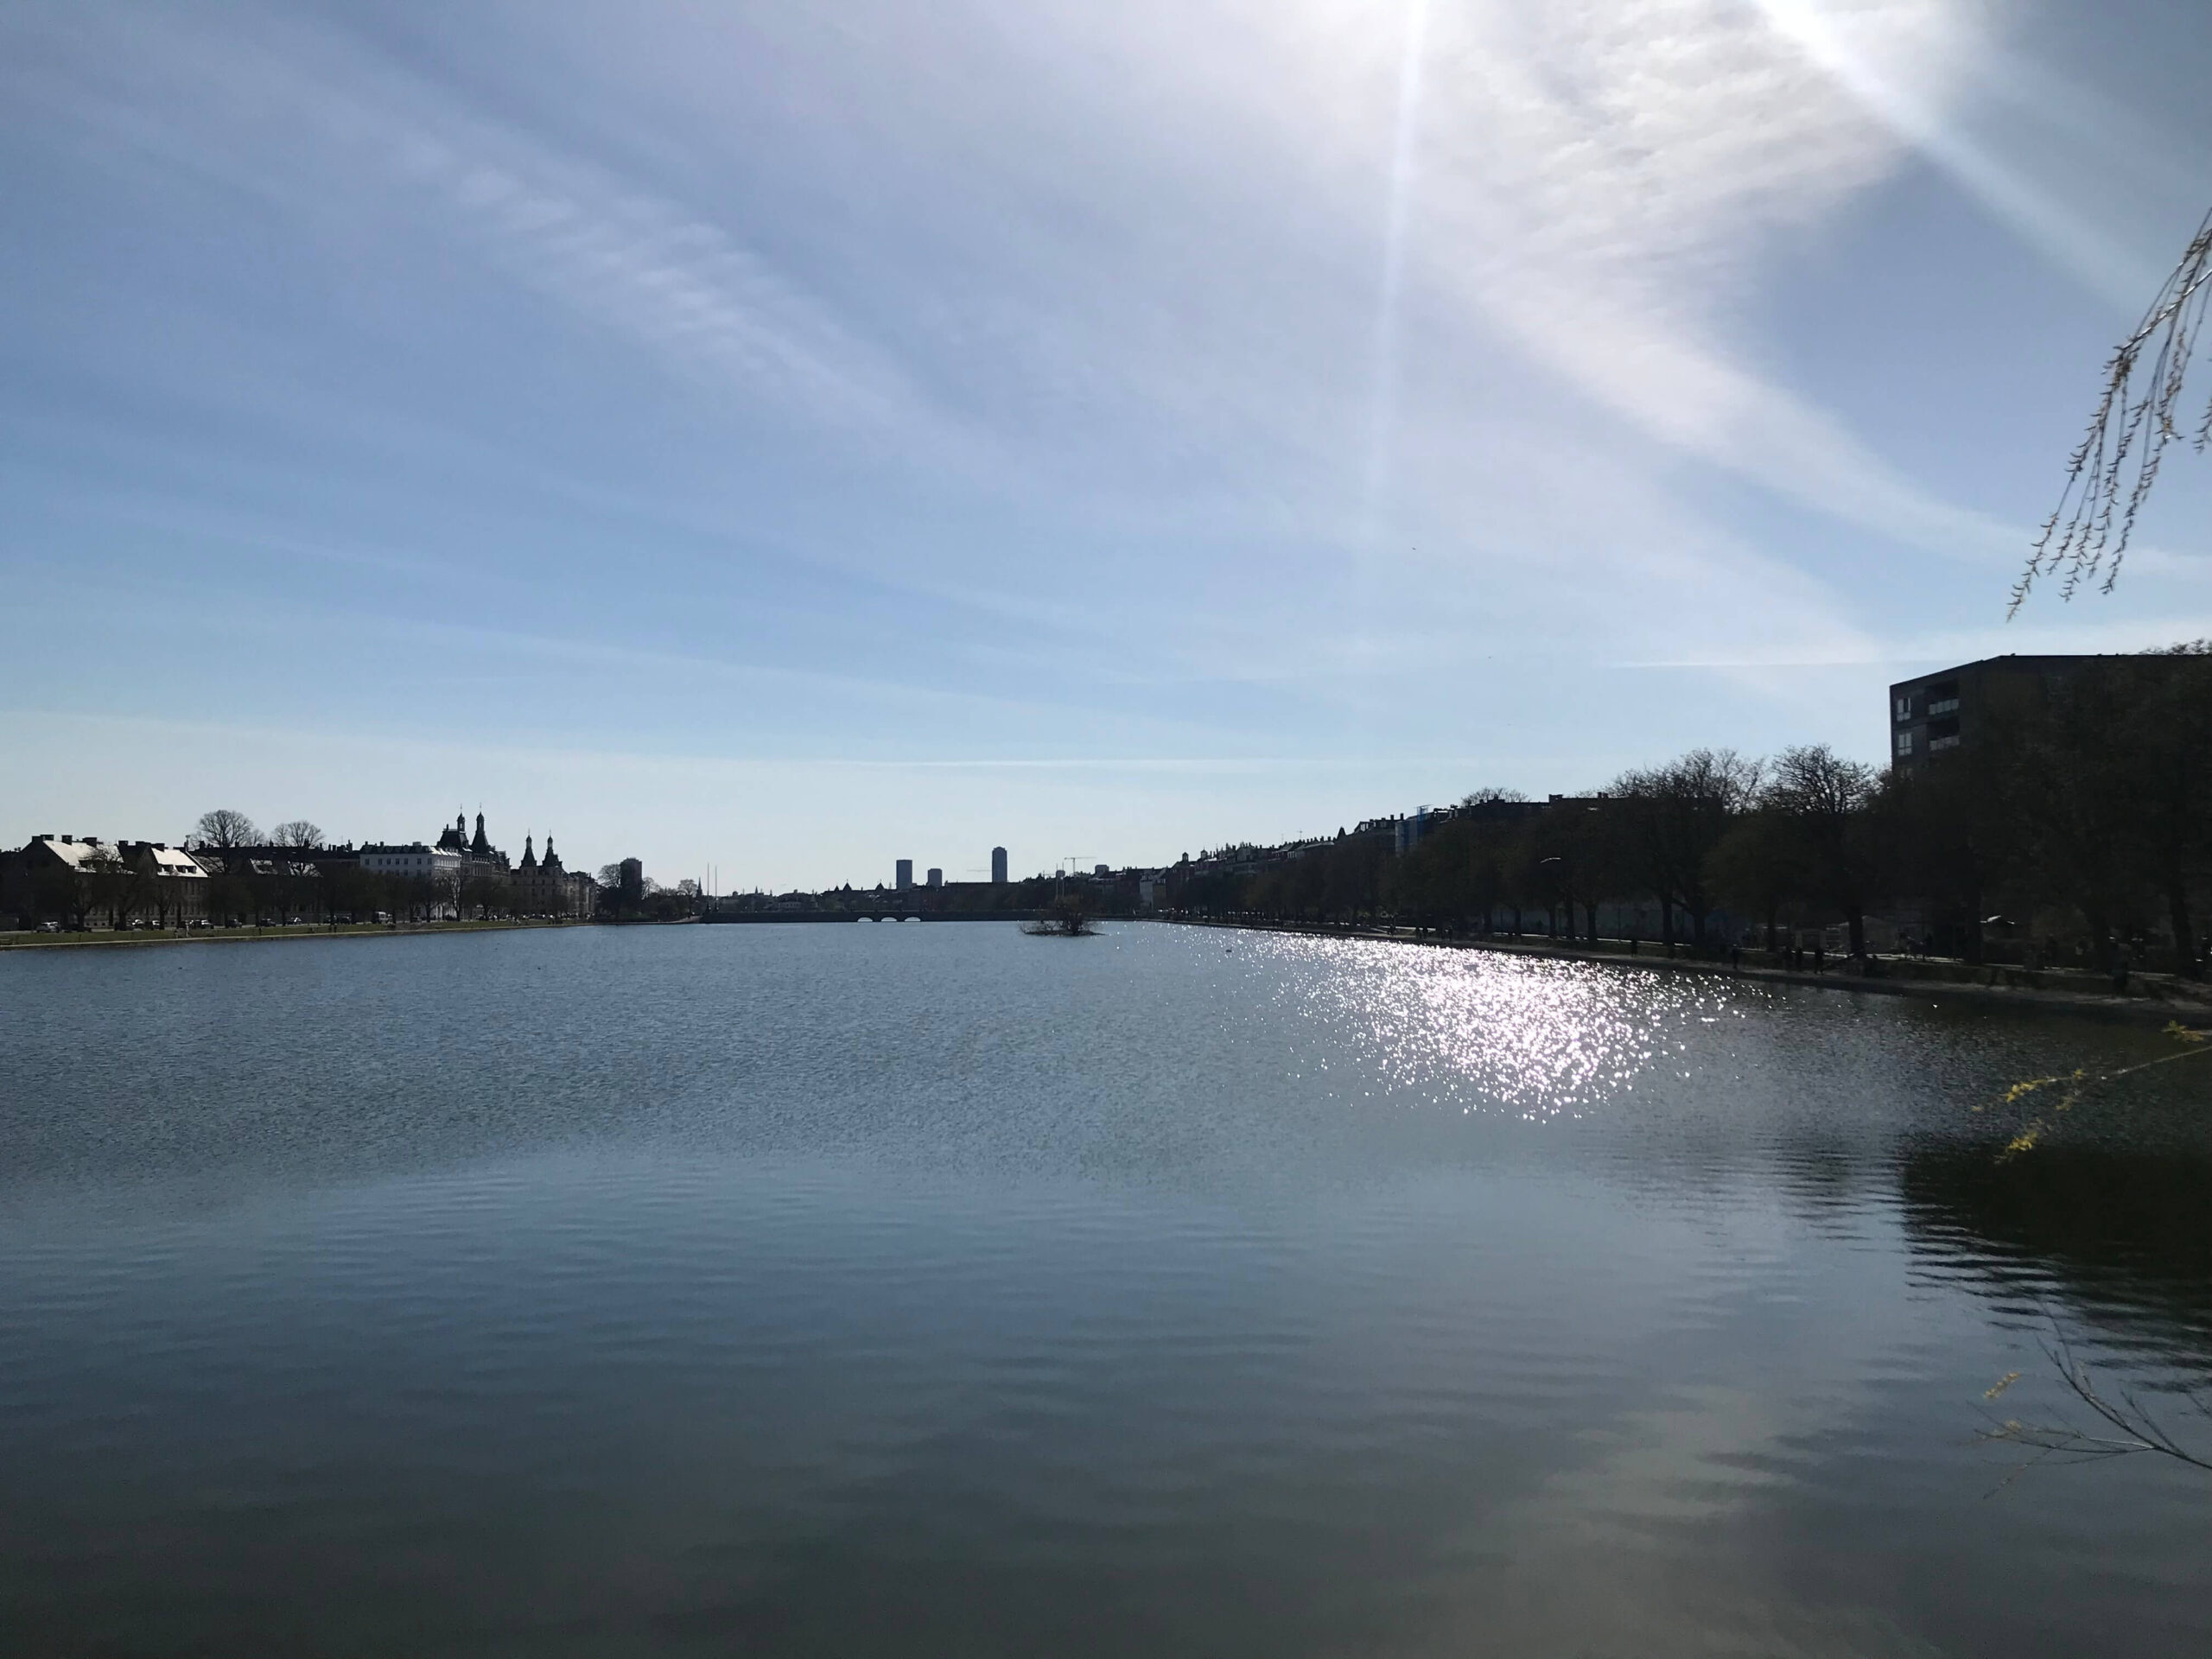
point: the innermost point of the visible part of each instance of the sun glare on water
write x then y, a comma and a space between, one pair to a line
1483, 1032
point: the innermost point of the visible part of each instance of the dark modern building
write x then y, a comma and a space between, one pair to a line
1938, 713
903, 877
998, 867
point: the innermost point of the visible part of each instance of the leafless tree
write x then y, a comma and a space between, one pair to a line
1822, 799
298, 832
1673, 816
1759, 868
2115, 465
64, 890
487, 892
1065, 918
224, 829
113, 883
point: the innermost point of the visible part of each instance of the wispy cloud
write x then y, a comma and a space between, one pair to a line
1613, 175
1599, 183
1857, 47
341, 135
681, 286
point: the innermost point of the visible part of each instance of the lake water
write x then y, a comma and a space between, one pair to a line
937, 1289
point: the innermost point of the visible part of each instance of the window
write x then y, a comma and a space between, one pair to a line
1903, 709
1944, 706
1950, 742
1904, 742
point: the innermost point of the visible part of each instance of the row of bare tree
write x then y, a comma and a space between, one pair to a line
2085, 822
226, 829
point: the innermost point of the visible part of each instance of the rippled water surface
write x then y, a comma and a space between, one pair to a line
932, 1289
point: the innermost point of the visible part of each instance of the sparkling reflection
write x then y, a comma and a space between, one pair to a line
1483, 1031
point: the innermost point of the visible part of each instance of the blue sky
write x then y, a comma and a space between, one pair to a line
789, 438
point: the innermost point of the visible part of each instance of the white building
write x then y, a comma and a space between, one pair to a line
414, 859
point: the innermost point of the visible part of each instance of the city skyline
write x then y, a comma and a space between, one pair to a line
754, 439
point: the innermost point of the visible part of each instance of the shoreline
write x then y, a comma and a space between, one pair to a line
103, 938
1997, 986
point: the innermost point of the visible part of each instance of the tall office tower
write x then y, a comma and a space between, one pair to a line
998, 866
904, 879
936, 878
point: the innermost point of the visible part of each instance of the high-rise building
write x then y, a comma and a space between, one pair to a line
904, 879
1101, 872
998, 866
937, 877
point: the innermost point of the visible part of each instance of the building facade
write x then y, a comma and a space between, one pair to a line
476, 852
998, 867
73, 881
413, 860
1940, 714
175, 888
270, 883
82, 881
543, 887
